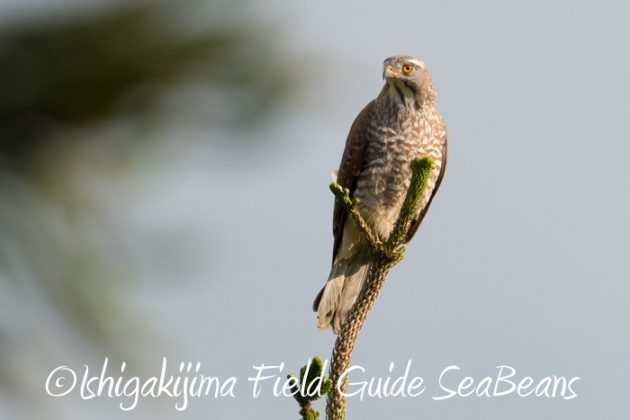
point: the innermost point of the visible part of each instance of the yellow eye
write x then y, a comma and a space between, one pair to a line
407, 68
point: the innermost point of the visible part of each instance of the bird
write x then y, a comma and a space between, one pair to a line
393, 129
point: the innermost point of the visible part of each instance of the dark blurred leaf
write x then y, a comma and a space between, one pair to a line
85, 69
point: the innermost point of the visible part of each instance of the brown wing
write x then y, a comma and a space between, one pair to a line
415, 224
350, 167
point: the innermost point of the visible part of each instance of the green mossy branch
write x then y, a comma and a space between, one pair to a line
385, 256
301, 395
420, 170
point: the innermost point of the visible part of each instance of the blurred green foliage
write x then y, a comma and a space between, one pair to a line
90, 66
67, 232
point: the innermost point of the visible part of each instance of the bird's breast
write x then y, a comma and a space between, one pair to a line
394, 140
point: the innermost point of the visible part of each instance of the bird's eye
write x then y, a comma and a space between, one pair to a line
407, 68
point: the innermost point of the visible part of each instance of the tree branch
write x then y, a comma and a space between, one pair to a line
303, 390
350, 206
386, 256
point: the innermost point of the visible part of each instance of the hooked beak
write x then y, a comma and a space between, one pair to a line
389, 73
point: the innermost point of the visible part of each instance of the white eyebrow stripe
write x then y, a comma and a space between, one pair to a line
404, 59
418, 63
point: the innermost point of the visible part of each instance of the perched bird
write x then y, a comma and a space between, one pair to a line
392, 130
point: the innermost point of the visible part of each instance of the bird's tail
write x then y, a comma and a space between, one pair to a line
334, 301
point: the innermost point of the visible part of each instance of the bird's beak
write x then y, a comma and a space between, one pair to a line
388, 72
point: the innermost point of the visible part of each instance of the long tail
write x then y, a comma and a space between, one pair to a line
334, 301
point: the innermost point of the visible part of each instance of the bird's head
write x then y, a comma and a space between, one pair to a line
408, 79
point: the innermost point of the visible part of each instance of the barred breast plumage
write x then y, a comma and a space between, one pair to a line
395, 137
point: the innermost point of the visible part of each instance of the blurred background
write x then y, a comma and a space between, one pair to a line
163, 192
